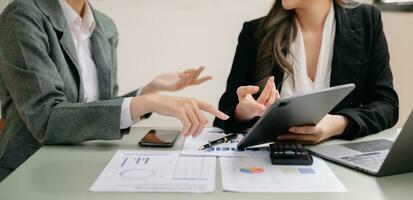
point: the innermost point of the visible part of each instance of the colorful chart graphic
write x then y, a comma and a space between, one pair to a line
251, 170
306, 171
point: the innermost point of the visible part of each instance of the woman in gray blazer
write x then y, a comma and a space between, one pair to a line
58, 81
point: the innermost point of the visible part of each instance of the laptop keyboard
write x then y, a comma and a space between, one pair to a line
370, 146
371, 160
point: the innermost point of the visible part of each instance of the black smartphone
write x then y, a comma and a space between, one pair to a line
159, 138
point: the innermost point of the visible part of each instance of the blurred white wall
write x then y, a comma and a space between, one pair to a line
158, 36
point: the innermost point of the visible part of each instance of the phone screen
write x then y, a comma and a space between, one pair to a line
159, 138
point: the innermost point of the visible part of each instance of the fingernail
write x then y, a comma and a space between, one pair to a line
223, 117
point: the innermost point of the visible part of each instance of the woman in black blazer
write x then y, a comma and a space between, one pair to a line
360, 56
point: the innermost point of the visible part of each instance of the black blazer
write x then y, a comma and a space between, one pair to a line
360, 56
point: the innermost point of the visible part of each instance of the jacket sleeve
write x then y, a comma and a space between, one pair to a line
380, 104
36, 88
240, 75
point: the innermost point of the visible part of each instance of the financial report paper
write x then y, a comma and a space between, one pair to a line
259, 175
156, 171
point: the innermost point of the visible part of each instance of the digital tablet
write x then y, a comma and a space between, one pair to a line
306, 109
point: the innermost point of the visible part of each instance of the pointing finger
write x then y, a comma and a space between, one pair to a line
211, 109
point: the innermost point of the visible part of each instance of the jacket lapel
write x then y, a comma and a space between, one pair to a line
346, 50
348, 54
336, 63
102, 55
53, 11
66, 41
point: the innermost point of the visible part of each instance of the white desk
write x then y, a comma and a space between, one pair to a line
67, 172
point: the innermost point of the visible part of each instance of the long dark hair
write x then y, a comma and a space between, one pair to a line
276, 31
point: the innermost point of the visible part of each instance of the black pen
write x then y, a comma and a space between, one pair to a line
219, 141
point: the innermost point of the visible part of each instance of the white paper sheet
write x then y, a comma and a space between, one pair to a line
191, 146
259, 175
156, 171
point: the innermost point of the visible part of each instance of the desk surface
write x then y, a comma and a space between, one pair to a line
67, 172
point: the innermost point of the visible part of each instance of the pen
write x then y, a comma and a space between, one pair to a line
219, 141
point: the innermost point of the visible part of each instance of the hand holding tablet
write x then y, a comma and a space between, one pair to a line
306, 109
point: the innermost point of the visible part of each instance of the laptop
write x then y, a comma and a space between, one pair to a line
375, 157
305, 109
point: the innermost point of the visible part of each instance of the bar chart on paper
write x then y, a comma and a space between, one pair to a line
195, 173
130, 170
190, 169
156, 171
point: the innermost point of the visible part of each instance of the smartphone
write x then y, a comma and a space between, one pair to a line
159, 138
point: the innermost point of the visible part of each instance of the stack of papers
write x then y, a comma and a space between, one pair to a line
156, 171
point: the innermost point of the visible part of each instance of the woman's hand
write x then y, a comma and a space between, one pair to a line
329, 126
187, 110
175, 81
248, 107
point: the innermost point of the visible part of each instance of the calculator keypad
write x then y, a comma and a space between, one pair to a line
289, 154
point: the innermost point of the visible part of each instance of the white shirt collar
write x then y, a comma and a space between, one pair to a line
86, 23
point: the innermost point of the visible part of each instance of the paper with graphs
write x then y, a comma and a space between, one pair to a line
156, 171
191, 146
259, 175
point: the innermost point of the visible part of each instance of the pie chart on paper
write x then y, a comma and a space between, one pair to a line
252, 170
137, 173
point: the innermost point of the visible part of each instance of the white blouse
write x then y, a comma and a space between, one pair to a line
300, 83
82, 29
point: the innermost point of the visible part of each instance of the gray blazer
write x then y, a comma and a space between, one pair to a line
41, 89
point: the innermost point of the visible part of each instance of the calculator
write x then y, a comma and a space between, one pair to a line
282, 153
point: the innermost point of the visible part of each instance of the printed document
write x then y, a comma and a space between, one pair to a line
259, 175
156, 171
191, 146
